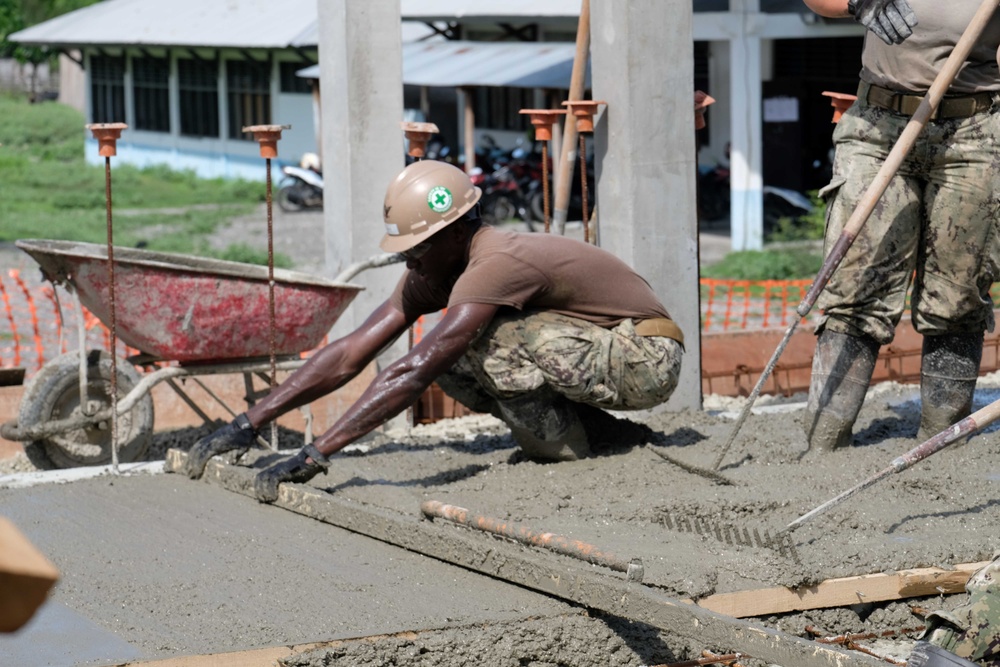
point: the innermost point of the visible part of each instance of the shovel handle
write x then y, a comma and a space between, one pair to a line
899, 151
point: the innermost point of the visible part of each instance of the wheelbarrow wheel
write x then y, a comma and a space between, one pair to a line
54, 393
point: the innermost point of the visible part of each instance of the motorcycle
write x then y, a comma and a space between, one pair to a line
301, 188
779, 203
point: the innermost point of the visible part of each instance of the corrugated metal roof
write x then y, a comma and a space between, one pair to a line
217, 23
513, 64
488, 9
517, 64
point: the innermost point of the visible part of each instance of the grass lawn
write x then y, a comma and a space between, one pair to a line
48, 191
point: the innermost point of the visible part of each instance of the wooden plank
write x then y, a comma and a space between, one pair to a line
584, 584
265, 657
842, 592
26, 577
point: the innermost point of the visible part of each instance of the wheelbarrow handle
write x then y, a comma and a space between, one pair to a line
376, 261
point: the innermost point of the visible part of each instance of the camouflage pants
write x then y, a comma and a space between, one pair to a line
548, 353
937, 219
972, 631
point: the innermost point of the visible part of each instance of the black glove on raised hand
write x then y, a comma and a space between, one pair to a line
891, 20
236, 435
293, 469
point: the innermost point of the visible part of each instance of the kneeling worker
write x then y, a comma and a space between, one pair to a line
540, 330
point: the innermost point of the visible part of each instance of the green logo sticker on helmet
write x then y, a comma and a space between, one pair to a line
439, 199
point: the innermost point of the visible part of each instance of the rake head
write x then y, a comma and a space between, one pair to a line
780, 541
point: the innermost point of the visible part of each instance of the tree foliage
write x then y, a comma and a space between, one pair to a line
19, 14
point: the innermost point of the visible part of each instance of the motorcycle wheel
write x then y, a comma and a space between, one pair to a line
289, 198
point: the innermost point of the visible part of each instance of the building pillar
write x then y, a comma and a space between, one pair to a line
643, 67
746, 159
361, 92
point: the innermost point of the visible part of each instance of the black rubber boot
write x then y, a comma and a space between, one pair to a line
841, 372
545, 426
238, 435
949, 368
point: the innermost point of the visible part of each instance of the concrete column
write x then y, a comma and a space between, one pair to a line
746, 163
361, 94
643, 67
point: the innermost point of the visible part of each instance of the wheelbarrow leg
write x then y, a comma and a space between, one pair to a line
191, 404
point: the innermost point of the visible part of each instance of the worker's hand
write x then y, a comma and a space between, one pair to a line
299, 468
237, 435
891, 20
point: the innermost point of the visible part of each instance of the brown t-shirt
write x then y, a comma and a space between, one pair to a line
538, 272
913, 65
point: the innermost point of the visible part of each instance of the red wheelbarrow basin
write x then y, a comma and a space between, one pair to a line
194, 309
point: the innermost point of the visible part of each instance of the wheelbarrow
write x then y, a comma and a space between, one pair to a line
202, 316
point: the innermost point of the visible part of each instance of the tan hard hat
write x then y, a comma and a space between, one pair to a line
423, 199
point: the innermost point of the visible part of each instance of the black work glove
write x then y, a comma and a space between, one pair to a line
293, 469
891, 20
236, 435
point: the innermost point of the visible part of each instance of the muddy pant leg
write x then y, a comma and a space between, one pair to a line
462, 384
866, 294
959, 249
607, 368
538, 372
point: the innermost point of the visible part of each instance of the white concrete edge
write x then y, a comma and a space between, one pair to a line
22, 480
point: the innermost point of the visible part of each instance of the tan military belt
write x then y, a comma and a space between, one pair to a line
902, 103
660, 326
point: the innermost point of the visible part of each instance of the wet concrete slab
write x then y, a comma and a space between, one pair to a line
154, 566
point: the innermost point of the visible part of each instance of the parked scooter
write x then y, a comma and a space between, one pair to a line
302, 187
714, 199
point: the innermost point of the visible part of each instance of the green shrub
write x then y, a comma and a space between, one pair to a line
766, 265
808, 227
244, 253
49, 191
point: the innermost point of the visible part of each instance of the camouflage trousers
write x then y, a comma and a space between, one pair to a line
551, 354
937, 220
972, 631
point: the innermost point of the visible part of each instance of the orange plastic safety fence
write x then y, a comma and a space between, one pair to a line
729, 304
9, 311
30, 304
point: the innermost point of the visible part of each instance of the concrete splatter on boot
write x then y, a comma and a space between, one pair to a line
546, 426
841, 372
949, 368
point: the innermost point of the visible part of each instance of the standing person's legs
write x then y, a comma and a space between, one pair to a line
951, 302
536, 370
865, 297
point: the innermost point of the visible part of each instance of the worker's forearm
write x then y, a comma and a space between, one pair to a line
326, 371
393, 391
833, 9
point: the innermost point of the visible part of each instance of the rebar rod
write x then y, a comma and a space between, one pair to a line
545, 183
272, 326
583, 188
113, 323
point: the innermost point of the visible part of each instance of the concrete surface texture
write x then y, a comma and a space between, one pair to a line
164, 566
